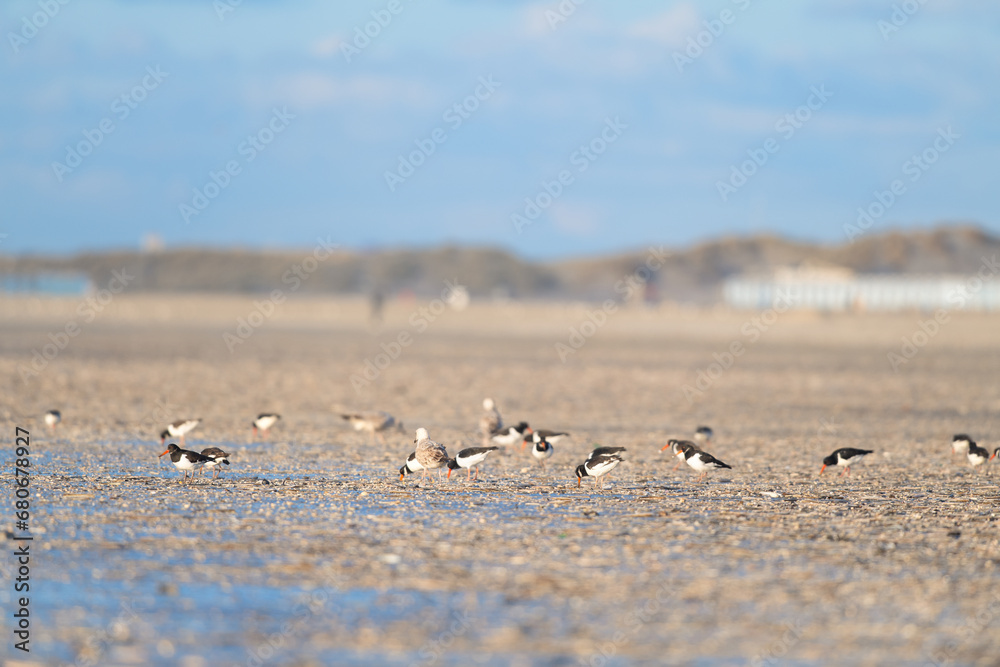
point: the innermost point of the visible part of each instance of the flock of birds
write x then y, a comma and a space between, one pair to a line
430, 455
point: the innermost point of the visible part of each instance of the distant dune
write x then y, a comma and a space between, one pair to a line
688, 275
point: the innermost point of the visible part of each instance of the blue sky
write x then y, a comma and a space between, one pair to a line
330, 123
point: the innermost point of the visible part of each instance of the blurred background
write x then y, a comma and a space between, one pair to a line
540, 147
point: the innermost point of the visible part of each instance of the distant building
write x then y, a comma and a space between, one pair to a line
51, 283
839, 289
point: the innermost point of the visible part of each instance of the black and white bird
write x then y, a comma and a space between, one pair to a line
264, 422
216, 457
491, 421
977, 455
675, 449
53, 417
375, 423
551, 436
699, 460
544, 434
178, 429
431, 455
185, 460
703, 435
604, 451
960, 444
411, 466
509, 435
597, 466
470, 458
846, 457
541, 450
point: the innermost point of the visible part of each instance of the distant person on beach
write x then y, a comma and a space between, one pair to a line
377, 301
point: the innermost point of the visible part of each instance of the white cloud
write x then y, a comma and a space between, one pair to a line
312, 89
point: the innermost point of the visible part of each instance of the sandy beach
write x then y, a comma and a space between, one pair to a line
310, 551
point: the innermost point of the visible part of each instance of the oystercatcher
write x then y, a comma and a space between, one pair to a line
53, 417
491, 421
178, 428
470, 458
510, 434
978, 455
960, 444
376, 423
185, 460
604, 451
541, 450
544, 434
675, 449
216, 457
431, 455
597, 466
845, 456
701, 461
703, 435
264, 422
411, 466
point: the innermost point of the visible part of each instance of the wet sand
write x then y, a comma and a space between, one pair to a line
310, 551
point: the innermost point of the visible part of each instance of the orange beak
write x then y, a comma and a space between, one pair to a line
449, 474
401, 477
578, 480
164, 452
822, 469
664, 446
993, 456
